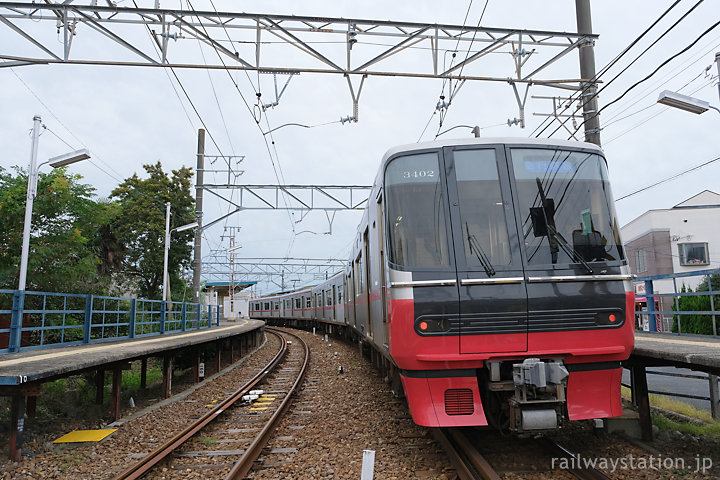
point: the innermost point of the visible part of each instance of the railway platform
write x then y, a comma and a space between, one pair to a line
21, 374
700, 353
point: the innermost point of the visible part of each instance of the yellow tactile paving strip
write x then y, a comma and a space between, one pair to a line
99, 348
85, 436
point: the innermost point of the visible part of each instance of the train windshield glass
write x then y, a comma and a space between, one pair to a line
417, 234
482, 213
566, 207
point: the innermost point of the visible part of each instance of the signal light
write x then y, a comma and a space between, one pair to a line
612, 318
423, 325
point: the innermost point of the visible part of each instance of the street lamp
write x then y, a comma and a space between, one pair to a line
55, 162
684, 102
689, 104
167, 246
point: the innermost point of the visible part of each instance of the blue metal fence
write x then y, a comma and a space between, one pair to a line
657, 313
35, 320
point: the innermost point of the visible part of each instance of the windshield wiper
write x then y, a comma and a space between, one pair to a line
554, 237
479, 253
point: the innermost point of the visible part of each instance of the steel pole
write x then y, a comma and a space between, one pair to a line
167, 250
587, 72
717, 62
197, 255
31, 189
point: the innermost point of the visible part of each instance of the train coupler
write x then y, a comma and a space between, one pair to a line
539, 400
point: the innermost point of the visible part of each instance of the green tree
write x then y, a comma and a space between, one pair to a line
694, 323
65, 239
140, 227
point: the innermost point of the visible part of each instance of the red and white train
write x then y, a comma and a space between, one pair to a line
490, 274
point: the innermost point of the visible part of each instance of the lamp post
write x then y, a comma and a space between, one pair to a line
55, 162
167, 246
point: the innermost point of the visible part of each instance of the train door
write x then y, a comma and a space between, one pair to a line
334, 302
490, 277
366, 283
381, 271
350, 296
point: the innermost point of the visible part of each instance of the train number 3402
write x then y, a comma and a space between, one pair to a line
418, 173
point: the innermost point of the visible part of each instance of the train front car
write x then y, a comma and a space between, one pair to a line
510, 296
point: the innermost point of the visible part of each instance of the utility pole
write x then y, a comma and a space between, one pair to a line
587, 71
231, 293
197, 255
717, 62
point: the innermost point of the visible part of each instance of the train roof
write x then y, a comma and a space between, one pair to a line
488, 141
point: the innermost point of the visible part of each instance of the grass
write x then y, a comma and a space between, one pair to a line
710, 427
208, 441
69, 460
704, 430
670, 404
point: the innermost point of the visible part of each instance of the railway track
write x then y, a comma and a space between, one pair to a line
234, 418
477, 459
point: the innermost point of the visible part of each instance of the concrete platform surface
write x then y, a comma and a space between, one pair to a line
34, 365
679, 350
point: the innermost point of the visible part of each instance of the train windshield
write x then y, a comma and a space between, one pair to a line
482, 212
417, 234
566, 208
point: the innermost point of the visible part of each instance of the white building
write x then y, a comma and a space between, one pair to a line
683, 238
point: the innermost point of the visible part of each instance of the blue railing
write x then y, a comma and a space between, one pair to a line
664, 314
35, 320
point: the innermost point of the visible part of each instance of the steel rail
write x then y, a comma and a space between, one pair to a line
243, 466
468, 461
143, 466
579, 471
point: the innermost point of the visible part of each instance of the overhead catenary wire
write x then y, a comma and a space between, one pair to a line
277, 169
454, 90
445, 80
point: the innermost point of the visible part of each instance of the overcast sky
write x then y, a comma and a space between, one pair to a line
130, 116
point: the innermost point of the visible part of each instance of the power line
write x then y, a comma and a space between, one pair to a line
94, 155
673, 177
650, 75
651, 117
604, 70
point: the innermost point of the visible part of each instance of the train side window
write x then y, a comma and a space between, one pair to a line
267, 306
416, 212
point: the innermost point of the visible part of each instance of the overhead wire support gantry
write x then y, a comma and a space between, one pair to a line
241, 39
329, 198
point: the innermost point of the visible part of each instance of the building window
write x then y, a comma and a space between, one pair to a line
693, 253
641, 260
